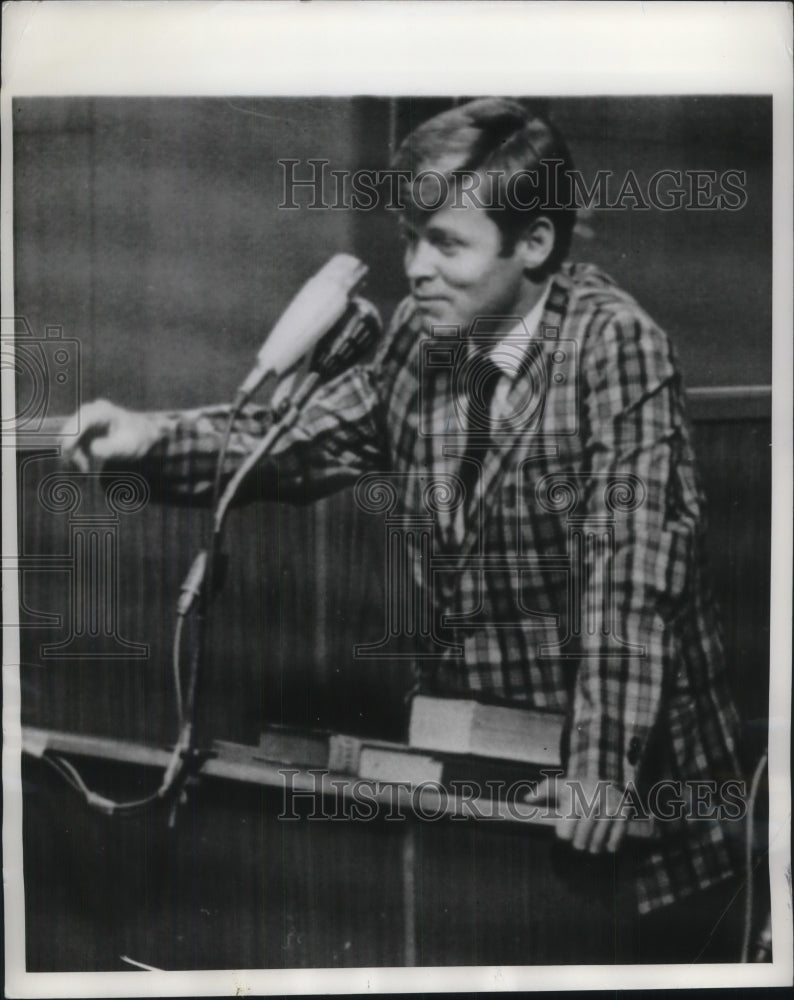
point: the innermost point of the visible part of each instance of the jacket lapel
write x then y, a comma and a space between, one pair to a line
524, 436
439, 445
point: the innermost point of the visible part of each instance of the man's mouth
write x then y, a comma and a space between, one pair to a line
425, 299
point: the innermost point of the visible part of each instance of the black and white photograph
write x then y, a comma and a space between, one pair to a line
396, 505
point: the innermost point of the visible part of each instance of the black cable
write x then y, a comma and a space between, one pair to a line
234, 411
176, 650
200, 583
184, 756
748, 858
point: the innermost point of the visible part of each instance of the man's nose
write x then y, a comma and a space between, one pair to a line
419, 261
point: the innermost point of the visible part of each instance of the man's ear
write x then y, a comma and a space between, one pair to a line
537, 243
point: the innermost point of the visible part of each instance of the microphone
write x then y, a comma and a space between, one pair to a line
348, 341
315, 310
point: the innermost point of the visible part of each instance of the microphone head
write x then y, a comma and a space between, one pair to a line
318, 306
349, 339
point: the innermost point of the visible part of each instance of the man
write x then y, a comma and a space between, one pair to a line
567, 568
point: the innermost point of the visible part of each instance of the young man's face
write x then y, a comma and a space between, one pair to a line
457, 271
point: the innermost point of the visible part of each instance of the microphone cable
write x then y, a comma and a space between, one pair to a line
749, 867
347, 339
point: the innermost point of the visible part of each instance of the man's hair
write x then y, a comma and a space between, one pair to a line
506, 144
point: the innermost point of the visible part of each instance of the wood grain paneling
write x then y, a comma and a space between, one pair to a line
232, 886
304, 585
736, 469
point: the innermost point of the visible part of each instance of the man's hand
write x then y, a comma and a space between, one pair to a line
587, 812
101, 430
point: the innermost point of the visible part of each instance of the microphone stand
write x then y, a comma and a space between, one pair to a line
203, 580
187, 757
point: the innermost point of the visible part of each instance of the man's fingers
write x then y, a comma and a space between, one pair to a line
586, 833
583, 832
101, 430
107, 445
78, 458
89, 421
595, 831
544, 793
617, 832
97, 412
70, 429
599, 832
566, 828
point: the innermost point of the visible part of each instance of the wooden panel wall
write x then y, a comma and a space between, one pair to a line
236, 887
735, 461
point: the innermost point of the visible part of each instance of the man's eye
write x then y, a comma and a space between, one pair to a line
446, 245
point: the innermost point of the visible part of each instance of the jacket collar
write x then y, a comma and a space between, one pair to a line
498, 459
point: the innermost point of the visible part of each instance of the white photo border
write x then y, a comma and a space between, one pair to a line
340, 49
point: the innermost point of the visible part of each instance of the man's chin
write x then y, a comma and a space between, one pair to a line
436, 314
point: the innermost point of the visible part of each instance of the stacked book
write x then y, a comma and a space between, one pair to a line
466, 747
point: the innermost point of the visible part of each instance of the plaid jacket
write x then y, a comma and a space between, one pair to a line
578, 584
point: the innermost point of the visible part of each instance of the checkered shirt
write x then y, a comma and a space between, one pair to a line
579, 585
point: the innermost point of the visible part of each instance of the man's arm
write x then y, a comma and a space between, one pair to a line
634, 434
338, 437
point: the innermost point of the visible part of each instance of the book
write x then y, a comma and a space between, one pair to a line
460, 775
398, 765
344, 752
464, 781
299, 747
464, 726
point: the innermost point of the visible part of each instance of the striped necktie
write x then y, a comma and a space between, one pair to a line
482, 383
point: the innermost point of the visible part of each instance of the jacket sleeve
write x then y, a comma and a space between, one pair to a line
642, 500
340, 435
337, 437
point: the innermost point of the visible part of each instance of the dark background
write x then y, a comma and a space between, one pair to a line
148, 229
